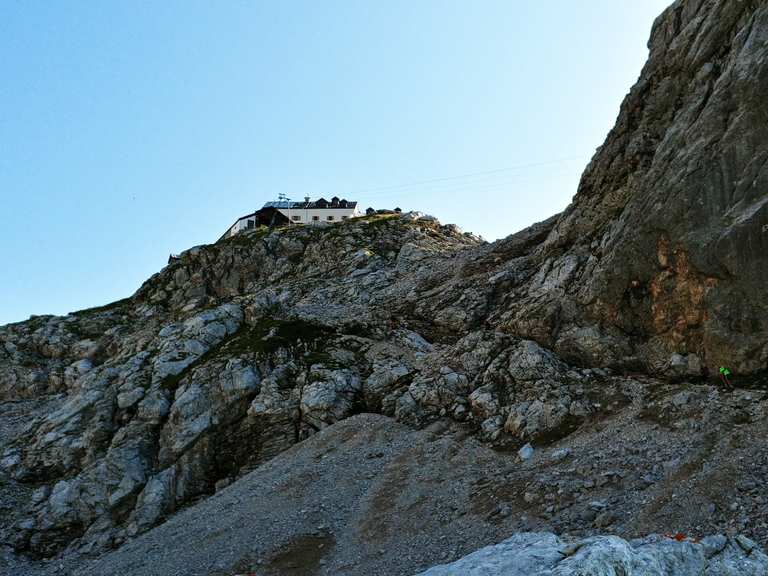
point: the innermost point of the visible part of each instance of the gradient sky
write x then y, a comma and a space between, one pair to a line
130, 129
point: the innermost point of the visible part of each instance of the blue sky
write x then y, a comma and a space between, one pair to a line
130, 130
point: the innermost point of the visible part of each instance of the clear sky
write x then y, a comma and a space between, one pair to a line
132, 129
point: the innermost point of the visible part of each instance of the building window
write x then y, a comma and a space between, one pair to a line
330, 217
315, 218
251, 224
297, 218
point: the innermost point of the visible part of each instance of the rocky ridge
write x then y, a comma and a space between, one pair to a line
598, 331
152, 402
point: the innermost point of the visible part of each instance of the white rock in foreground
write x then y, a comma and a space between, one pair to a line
544, 554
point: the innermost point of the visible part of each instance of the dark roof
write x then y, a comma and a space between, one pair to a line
324, 204
318, 204
267, 216
254, 215
251, 215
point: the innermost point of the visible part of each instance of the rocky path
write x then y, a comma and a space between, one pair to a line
371, 496
366, 495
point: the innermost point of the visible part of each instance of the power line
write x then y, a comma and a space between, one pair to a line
456, 187
453, 186
371, 191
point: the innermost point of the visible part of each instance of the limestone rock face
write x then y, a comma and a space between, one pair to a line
664, 248
544, 554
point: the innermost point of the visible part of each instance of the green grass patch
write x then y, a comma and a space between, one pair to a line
81, 333
263, 339
117, 305
321, 357
270, 334
247, 238
374, 219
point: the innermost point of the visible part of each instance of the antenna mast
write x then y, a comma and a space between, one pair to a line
283, 198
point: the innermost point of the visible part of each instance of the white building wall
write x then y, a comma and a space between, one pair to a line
240, 225
306, 215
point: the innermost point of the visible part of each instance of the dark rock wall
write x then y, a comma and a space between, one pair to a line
665, 241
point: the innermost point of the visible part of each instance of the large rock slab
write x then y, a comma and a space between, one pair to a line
544, 554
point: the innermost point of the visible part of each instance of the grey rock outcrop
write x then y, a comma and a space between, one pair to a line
544, 554
157, 400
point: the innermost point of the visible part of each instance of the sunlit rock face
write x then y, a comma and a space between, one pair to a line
663, 250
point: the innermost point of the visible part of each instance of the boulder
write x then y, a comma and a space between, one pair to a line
544, 554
